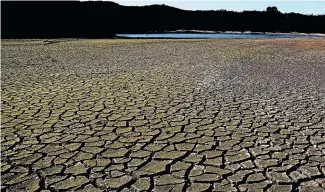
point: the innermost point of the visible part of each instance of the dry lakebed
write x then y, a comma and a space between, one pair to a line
163, 115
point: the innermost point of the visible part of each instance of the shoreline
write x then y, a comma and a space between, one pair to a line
196, 34
230, 32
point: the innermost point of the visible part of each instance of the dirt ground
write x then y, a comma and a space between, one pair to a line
163, 115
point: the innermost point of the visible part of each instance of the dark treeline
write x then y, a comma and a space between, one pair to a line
96, 19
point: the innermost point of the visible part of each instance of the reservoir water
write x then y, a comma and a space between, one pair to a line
217, 35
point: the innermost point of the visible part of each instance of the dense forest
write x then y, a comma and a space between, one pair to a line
97, 19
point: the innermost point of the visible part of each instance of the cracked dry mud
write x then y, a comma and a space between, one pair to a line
163, 115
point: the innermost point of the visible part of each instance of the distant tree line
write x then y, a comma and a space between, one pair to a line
96, 19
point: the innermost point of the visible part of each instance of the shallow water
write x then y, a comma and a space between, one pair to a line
214, 35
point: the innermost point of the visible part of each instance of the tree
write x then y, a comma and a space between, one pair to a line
272, 9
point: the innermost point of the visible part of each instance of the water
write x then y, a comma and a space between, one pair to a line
214, 35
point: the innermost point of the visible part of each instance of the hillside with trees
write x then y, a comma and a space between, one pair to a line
96, 19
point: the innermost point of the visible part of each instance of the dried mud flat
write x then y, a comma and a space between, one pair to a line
163, 115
